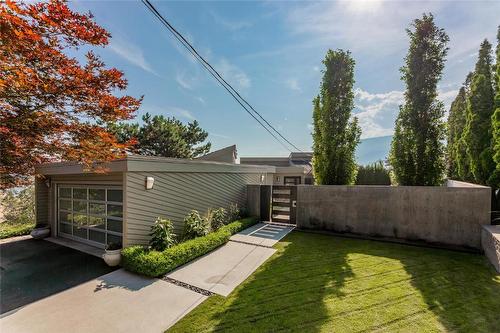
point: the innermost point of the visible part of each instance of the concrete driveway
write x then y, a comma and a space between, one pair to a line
116, 302
33, 269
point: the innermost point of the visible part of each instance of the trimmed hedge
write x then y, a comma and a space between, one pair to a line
141, 260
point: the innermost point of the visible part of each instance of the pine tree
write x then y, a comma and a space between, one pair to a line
495, 122
417, 149
456, 124
480, 106
335, 136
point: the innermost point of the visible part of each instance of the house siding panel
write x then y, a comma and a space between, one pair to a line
175, 194
41, 202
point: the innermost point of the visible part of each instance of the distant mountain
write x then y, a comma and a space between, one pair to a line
373, 149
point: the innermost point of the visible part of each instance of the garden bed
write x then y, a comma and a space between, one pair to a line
141, 260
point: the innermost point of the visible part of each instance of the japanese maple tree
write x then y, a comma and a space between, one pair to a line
51, 105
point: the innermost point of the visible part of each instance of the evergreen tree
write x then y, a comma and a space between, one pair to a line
160, 136
335, 136
495, 122
456, 124
462, 159
417, 149
480, 106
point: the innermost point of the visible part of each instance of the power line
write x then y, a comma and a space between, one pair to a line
233, 92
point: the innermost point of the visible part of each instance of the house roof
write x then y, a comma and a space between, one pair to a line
154, 164
227, 155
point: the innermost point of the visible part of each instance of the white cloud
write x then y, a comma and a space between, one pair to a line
376, 112
310, 126
229, 24
293, 84
233, 74
183, 81
447, 97
169, 111
357, 25
130, 52
201, 100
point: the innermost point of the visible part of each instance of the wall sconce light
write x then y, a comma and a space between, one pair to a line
47, 182
277, 178
149, 183
262, 178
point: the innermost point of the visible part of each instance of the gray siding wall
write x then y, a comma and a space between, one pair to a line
175, 194
41, 202
447, 215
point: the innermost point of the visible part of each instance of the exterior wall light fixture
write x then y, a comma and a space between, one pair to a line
149, 183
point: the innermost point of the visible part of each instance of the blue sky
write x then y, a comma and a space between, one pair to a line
271, 52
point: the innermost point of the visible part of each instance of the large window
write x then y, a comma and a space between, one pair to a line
92, 214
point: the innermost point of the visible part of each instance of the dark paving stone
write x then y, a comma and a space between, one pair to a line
33, 269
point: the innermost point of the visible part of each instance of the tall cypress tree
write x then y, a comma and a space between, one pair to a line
462, 159
417, 150
335, 136
480, 106
456, 124
495, 122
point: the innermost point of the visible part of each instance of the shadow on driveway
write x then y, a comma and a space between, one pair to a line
33, 269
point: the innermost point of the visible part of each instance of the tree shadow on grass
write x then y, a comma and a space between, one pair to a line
324, 283
461, 289
285, 293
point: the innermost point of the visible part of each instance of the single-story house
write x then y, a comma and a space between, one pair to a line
120, 205
294, 169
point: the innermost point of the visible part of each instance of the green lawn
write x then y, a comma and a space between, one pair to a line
8, 229
322, 283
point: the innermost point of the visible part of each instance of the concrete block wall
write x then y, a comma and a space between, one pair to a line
490, 240
448, 215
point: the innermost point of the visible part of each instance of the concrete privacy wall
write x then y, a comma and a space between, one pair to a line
446, 215
175, 194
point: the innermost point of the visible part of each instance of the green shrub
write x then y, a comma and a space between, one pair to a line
217, 218
373, 174
18, 211
195, 226
141, 260
162, 234
233, 213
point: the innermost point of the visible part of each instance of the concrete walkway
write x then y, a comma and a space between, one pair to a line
222, 270
115, 302
263, 234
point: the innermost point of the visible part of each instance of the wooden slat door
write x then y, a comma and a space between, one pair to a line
284, 200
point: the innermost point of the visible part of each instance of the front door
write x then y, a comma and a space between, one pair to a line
284, 202
90, 214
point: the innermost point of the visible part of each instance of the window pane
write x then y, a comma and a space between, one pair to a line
97, 236
80, 206
65, 204
80, 232
80, 193
97, 208
65, 192
65, 228
115, 195
114, 225
114, 239
96, 222
97, 194
65, 217
80, 220
115, 210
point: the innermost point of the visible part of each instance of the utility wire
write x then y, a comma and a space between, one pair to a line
234, 93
